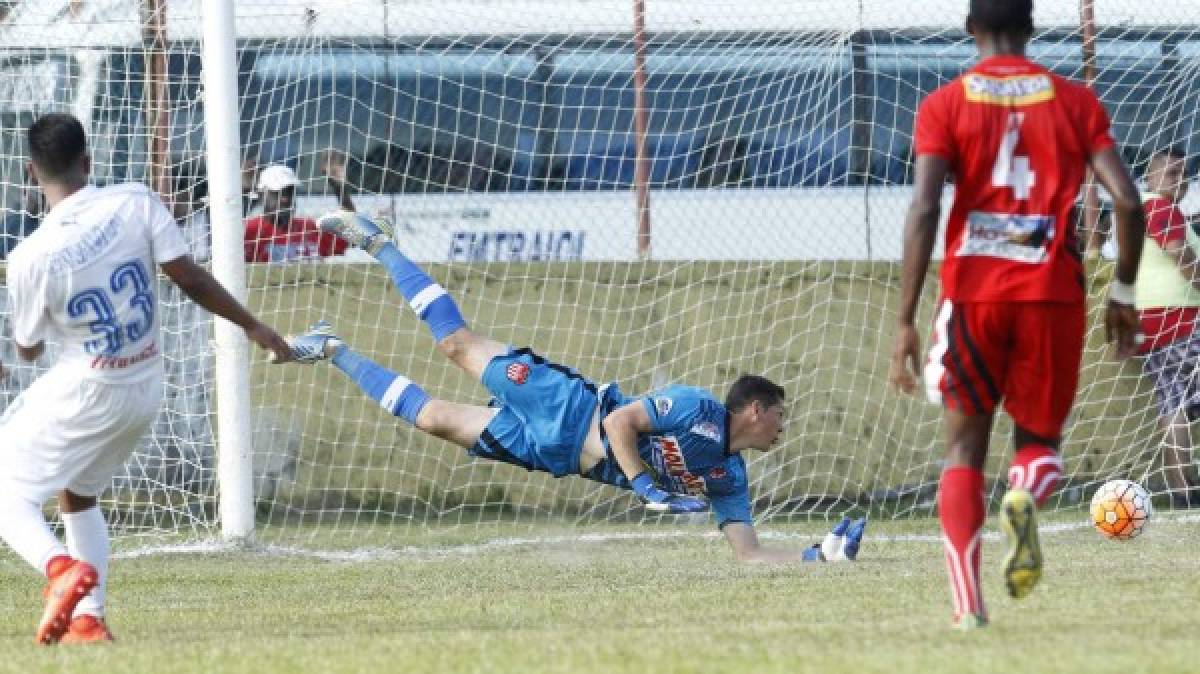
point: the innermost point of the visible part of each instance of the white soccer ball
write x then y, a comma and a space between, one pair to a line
1120, 510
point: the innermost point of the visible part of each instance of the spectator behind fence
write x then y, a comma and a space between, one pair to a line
278, 235
1168, 300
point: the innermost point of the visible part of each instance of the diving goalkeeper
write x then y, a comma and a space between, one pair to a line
679, 448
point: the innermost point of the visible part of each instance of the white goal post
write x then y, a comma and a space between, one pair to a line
236, 467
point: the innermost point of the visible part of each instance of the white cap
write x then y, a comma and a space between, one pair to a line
276, 177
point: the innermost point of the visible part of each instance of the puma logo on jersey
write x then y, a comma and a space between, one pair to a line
663, 406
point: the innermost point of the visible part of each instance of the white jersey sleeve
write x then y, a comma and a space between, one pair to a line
27, 295
166, 239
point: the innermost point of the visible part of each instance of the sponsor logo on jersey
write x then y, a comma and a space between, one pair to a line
717, 473
1023, 238
1016, 90
115, 363
672, 455
518, 373
82, 252
707, 429
663, 406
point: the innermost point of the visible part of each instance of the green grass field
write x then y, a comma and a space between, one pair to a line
678, 603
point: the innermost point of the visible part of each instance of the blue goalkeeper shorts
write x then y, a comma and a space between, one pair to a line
545, 411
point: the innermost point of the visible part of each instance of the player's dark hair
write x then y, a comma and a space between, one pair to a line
56, 144
751, 388
1011, 17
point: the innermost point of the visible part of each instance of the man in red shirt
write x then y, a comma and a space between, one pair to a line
1010, 326
1168, 300
278, 235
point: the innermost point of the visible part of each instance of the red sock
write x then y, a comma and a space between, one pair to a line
56, 565
961, 510
1036, 469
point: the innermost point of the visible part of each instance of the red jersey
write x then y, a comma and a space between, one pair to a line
265, 243
1018, 139
1165, 224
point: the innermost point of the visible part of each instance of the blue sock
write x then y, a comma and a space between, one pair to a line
430, 300
395, 393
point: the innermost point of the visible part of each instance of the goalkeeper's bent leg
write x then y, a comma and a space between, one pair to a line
394, 392
429, 300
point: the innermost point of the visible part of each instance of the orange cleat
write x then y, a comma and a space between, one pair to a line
68, 584
87, 629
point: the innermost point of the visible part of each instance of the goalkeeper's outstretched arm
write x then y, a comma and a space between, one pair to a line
747, 548
840, 544
622, 427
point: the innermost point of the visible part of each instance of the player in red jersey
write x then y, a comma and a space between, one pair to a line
279, 235
1010, 327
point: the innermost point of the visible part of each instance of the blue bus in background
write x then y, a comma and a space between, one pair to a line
541, 114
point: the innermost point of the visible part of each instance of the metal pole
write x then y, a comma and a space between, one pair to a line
154, 50
221, 132
1093, 237
641, 174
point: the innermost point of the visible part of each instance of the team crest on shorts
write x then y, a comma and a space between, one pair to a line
518, 373
717, 473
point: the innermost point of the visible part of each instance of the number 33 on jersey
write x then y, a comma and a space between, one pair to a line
86, 280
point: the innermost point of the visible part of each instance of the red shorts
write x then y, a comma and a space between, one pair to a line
1024, 353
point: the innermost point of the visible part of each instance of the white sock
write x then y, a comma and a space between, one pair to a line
832, 546
87, 539
24, 528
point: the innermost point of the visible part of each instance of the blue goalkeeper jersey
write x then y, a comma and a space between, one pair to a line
688, 449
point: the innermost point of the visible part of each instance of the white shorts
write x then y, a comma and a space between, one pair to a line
64, 433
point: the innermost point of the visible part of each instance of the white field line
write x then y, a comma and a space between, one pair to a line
368, 554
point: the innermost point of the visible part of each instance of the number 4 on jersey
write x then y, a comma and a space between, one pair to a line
1010, 170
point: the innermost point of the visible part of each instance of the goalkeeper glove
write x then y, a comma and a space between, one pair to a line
842, 543
659, 501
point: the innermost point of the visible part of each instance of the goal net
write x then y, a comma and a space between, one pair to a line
720, 193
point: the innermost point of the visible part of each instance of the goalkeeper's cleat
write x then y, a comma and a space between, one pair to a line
71, 583
317, 344
87, 629
356, 229
854, 536
969, 621
835, 539
1023, 563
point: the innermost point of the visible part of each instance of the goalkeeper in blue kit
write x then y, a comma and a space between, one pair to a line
678, 449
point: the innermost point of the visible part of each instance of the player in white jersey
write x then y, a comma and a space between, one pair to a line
86, 279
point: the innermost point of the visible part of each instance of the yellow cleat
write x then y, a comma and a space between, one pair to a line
1023, 563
